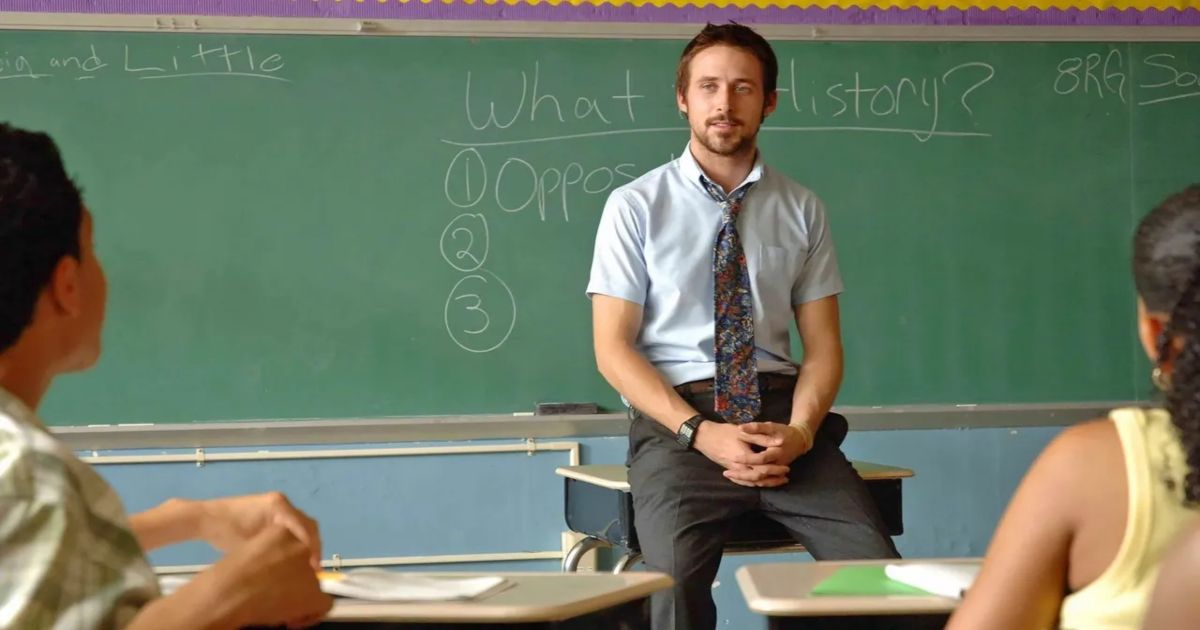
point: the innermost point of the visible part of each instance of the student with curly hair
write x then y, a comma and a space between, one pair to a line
1081, 542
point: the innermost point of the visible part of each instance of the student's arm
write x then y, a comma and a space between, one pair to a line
1025, 573
1175, 604
265, 582
224, 523
45, 547
173, 521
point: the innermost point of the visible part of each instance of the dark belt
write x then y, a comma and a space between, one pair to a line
770, 381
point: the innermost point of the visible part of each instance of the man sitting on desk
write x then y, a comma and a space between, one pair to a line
700, 266
69, 557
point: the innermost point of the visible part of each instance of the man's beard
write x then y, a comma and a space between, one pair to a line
743, 145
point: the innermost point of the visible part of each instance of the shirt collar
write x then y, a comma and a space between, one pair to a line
692, 172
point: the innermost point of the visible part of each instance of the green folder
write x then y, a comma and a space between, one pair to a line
864, 581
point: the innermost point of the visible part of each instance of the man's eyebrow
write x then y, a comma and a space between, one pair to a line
735, 80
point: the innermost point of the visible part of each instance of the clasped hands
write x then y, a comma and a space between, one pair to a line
732, 446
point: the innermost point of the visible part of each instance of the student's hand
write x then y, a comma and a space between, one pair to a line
268, 581
722, 444
230, 522
781, 443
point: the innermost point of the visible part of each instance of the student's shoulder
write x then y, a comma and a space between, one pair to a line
1084, 440
1075, 478
1087, 435
1083, 454
32, 464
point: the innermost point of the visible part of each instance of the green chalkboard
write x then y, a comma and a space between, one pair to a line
335, 227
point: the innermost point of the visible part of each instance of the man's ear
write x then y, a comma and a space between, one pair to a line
681, 103
64, 290
771, 103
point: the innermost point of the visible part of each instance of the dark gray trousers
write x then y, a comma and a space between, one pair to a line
683, 508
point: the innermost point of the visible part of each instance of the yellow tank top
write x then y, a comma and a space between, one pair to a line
1153, 455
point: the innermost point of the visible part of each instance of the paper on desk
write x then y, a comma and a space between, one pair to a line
862, 581
394, 586
386, 586
940, 578
168, 584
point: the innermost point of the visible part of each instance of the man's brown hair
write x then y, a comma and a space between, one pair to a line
737, 36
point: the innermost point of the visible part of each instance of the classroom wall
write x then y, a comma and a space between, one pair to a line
505, 502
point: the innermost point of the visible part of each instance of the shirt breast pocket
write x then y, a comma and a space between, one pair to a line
776, 264
774, 276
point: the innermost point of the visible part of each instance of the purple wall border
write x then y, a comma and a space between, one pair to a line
437, 10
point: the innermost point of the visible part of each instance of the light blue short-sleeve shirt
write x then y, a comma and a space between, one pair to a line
654, 247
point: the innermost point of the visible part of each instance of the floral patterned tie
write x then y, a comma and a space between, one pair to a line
737, 398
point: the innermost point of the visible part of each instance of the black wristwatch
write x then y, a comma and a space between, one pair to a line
686, 434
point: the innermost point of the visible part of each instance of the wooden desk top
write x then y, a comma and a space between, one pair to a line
534, 597
784, 590
616, 476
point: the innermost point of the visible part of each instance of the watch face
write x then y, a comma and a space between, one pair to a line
685, 434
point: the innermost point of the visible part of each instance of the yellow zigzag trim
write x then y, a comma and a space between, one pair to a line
1138, 5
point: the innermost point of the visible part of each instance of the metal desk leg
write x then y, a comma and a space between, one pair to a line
628, 560
571, 561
